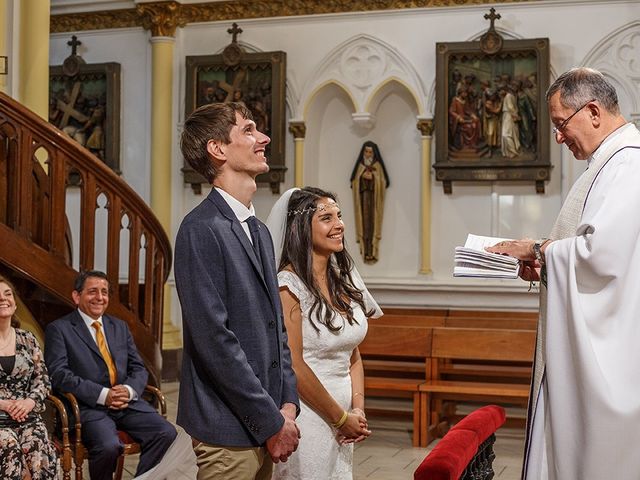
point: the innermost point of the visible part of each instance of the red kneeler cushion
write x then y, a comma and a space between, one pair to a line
484, 421
453, 453
450, 457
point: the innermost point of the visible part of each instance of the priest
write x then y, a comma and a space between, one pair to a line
584, 408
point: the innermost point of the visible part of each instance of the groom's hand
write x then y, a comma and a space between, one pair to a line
281, 445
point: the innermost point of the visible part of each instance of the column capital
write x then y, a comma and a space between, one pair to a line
298, 129
162, 18
425, 125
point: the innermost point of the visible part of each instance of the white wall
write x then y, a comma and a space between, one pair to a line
404, 42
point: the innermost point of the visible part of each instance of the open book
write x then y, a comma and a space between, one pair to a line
473, 260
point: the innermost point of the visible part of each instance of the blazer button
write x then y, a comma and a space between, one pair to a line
274, 364
272, 324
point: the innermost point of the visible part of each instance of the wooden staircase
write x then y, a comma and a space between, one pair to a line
54, 194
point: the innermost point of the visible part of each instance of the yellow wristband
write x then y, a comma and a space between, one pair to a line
342, 420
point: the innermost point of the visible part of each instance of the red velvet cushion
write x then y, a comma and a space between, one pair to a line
450, 457
484, 421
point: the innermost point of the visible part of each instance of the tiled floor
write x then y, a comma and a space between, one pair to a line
386, 455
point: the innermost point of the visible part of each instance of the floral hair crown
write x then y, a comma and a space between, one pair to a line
321, 207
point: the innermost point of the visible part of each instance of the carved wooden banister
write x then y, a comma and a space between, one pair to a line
43, 173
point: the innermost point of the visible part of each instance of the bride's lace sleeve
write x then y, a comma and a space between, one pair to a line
293, 283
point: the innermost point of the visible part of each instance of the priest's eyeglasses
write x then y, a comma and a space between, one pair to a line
560, 128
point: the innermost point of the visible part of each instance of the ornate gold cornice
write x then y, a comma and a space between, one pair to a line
242, 9
77, 22
161, 18
425, 126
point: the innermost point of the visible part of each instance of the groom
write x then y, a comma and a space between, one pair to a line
238, 397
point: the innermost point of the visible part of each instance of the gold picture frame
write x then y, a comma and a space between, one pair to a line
491, 114
86, 106
257, 80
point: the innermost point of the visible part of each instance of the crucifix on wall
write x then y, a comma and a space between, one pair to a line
257, 81
84, 102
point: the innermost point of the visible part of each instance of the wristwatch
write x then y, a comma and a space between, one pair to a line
537, 246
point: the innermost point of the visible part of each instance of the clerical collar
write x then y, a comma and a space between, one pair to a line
608, 140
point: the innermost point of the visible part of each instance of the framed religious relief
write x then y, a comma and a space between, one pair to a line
84, 102
255, 79
491, 115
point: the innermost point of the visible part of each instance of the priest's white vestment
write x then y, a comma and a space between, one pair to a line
584, 418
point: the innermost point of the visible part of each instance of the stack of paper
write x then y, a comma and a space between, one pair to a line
473, 260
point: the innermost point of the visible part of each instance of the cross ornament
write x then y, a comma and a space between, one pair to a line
234, 31
492, 17
74, 43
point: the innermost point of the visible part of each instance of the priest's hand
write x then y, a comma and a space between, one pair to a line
530, 271
520, 249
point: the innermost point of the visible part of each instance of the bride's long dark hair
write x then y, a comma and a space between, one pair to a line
297, 253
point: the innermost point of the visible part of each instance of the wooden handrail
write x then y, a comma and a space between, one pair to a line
37, 162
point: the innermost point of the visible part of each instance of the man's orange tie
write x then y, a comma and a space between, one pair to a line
104, 351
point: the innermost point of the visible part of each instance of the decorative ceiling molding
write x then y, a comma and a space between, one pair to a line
107, 19
244, 9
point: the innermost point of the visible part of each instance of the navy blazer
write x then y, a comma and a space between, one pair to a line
236, 370
76, 366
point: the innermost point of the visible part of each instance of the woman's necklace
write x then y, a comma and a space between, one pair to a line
9, 339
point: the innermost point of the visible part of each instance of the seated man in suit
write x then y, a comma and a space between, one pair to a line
93, 356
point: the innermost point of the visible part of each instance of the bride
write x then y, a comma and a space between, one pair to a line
326, 306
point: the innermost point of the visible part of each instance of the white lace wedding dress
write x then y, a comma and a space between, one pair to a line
319, 455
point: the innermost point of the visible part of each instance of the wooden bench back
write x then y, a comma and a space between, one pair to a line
409, 320
490, 344
419, 312
396, 340
493, 314
481, 322
459, 318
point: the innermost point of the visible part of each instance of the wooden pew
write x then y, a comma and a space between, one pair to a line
386, 343
394, 319
459, 318
470, 344
509, 373
531, 315
379, 364
421, 312
492, 319
486, 371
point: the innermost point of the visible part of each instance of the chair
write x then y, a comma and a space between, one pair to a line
70, 443
466, 451
56, 419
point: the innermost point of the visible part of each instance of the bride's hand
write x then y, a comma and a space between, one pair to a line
355, 429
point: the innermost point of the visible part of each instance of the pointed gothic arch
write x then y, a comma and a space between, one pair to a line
361, 66
617, 57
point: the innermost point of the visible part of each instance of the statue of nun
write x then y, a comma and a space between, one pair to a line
369, 180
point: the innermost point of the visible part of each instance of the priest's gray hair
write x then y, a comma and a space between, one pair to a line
580, 85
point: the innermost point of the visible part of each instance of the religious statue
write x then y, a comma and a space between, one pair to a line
369, 180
